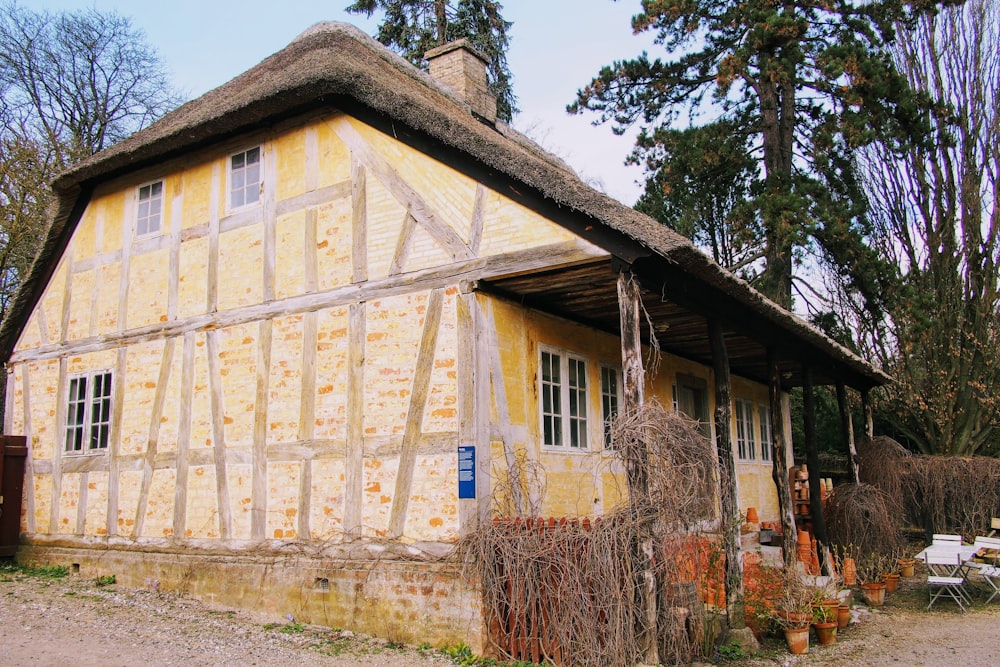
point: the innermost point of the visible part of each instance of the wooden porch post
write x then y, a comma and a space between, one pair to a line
847, 429
634, 379
728, 480
779, 469
812, 458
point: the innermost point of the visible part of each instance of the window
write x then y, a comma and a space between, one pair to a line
611, 393
690, 398
88, 414
244, 178
764, 419
564, 400
745, 446
149, 209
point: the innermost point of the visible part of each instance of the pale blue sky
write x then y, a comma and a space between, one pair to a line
556, 47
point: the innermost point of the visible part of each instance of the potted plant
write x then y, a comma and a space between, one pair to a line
793, 613
824, 622
870, 568
906, 563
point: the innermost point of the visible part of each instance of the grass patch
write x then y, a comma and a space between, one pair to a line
286, 628
37, 571
106, 580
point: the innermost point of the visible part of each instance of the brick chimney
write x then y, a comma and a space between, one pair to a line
461, 67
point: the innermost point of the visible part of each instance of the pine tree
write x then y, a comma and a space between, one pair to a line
807, 81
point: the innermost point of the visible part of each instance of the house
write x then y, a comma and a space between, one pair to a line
280, 347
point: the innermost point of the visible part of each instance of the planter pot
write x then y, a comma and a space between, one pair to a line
874, 594
891, 582
797, 640
906, 566
826, 633
843, 616
752, 515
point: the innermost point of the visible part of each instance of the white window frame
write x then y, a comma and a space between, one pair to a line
746, 446
238, 182
88, 413
566, 432
764, 420
611, 400
154, 210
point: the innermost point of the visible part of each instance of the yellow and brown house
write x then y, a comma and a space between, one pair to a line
280, 347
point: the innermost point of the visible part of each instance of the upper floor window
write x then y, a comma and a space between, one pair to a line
764, 419
745, 446
88, 412
611, 398
244, 178
564, 400
149, 209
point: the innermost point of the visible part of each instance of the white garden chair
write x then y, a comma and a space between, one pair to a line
944, 576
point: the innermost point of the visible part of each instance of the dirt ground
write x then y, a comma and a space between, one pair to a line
75, 621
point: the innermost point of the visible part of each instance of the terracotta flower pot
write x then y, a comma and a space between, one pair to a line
843, 616
891, 582
797, 640
906, 566
752, 515
826, 633
849, 571
874, 593
794, 618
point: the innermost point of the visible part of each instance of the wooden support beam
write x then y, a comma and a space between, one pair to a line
514, 473
184, 437
115, 438
633, 396
354, 463
219, 430
633, 373
468, 513
152, 443
847, 431
29, 461
779, 460
812, 458
415, 414
728, 479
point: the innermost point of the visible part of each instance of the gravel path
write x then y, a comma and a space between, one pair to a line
74, 621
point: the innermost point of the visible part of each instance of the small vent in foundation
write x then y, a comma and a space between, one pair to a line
322, 584
75, 568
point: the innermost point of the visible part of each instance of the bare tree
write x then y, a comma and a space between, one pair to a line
934, 216
72, 84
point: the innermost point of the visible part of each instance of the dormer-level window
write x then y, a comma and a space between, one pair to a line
149, 209
244, 178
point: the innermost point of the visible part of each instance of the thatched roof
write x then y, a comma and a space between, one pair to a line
333, 65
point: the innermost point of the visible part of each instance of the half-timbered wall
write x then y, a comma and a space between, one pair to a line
288, 372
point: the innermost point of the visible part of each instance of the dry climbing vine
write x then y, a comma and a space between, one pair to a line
569, 591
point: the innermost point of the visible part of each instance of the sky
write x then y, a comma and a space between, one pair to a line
557, 47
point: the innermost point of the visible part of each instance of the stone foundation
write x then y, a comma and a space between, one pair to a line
409, 602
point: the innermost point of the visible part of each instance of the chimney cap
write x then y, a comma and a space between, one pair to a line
462, 43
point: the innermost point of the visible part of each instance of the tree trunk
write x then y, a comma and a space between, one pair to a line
728, 480
634, 378
847, 429
779, 462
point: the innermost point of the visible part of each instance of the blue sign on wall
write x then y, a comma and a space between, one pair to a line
467, 471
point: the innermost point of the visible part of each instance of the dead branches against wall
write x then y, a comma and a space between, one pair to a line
570, 591
861, 520
938, 494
